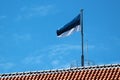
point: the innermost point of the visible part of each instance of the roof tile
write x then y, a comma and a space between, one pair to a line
105, 72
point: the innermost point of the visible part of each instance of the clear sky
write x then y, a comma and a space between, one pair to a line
28, 40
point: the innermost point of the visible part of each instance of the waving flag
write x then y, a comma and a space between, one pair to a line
70, 27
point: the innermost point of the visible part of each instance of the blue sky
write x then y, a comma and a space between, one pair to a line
28, 40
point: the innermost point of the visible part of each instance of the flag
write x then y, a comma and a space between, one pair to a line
70, 27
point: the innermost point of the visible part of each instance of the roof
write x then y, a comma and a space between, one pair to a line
103, 72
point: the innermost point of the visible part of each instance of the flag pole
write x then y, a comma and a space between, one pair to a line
82, 40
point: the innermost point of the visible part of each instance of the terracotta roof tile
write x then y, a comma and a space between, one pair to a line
108, 72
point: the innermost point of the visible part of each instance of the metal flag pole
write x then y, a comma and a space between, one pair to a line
81, 22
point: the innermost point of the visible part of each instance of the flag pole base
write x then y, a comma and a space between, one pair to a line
82, 60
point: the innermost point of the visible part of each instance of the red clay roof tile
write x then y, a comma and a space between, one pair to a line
110, 72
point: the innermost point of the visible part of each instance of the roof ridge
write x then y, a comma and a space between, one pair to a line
61, 70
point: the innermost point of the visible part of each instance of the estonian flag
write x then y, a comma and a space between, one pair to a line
69, 28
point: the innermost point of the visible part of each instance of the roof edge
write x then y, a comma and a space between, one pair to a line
62, 70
